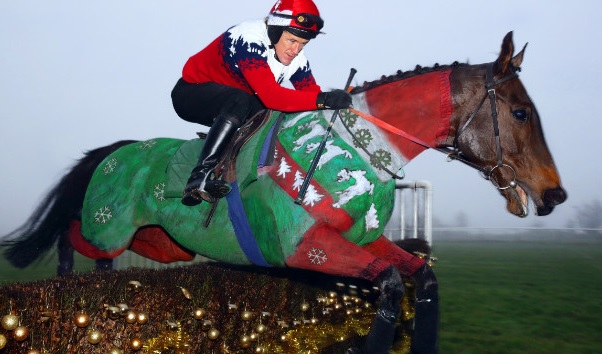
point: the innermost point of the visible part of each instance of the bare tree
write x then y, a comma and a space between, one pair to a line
589, 215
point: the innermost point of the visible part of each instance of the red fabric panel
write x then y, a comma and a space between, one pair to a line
149, 242
81, 245
405, 262
420, 105
154, 243
326, 251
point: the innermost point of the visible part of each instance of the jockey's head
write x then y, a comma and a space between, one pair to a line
299, 17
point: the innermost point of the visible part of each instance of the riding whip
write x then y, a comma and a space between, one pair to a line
316, 159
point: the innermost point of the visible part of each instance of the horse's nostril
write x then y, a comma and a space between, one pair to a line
555, 196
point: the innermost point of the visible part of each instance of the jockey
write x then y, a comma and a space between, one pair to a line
239, 74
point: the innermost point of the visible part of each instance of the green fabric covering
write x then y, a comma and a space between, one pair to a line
141, 184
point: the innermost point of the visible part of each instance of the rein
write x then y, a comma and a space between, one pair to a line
454, 153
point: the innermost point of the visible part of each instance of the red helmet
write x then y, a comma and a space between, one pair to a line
299, 17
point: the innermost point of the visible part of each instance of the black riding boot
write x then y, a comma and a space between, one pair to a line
200, 185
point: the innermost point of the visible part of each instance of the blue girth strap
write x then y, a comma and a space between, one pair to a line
242, 228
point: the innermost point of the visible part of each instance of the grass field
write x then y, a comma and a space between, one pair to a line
496, 297
503, 297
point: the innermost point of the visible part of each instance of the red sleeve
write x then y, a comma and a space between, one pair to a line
261, 79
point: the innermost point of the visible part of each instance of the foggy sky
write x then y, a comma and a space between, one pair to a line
76, 75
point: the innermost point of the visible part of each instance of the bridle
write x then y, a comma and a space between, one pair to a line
454, 152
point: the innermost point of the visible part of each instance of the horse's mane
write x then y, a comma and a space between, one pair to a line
401, 75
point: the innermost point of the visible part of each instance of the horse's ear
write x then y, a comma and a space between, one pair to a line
518, 58
504, 60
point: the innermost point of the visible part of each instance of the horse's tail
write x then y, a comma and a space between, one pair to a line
51, 218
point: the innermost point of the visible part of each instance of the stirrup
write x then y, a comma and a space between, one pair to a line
194, 197
217, 189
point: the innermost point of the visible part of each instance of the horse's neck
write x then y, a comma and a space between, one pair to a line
421, 106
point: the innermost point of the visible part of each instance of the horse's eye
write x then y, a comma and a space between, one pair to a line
520, 114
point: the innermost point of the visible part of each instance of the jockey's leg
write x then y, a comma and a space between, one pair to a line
325, 250
201, 186
426, 320
224, 109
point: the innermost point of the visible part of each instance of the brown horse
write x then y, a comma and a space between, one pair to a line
478, 114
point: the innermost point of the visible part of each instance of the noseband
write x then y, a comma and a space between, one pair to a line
456, 153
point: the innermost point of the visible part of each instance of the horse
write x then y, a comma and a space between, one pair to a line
127, 195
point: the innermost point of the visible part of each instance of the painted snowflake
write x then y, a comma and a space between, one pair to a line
145, 145
159, 191
380, 158
103, 215
349, 118
364, 137
110, 166
317, 256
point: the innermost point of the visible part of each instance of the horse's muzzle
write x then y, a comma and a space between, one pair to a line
551, 198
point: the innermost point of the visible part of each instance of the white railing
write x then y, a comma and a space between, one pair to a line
412, 215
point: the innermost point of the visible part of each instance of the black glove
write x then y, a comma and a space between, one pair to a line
335, 99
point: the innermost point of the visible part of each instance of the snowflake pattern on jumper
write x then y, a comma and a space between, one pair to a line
110, 166
145, 145
317, 256
159, 191
103, 215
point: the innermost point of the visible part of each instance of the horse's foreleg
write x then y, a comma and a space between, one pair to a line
325, 250
382, 331
426, 319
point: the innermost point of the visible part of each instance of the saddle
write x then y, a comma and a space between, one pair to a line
226, 166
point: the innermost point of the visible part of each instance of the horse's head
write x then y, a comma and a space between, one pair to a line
496, 128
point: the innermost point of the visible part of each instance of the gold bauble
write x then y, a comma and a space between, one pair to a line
94, 336
10, 322
136, 344
21, 333
115, 350
253, 336
2, 341
142, 318
259, 349
33, 351
304, 306
261, 328
213, 333
82, 320
199, 313
245, 341
113, 312
131, 317
246, 315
